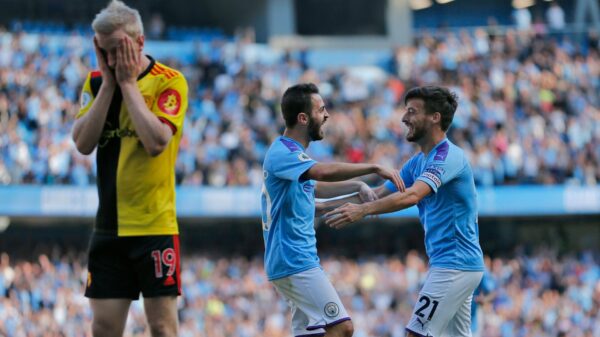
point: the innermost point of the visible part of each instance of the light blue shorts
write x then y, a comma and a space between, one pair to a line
314, 302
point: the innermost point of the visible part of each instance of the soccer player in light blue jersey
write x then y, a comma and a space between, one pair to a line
440, 182
288, 211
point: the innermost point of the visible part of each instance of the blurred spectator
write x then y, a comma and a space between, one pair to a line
555, 16
156, 27
522, 17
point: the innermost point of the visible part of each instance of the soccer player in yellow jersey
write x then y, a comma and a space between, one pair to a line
132, 113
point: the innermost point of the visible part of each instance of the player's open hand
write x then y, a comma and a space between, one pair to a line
128, 62
365, 193
393, 175
344, 215
108, 77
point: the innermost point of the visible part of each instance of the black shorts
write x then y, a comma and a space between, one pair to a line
122, 267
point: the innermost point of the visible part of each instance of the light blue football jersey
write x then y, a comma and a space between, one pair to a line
449, 214
288, 210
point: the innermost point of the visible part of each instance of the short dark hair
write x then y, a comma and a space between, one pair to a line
437, 99
297, 99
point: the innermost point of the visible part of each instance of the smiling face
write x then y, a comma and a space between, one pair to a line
109, 43
317, 118
416, 120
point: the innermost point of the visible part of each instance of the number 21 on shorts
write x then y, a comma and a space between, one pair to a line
425, 303
167, 258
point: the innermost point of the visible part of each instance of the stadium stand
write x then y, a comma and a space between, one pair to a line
527, 115
537, 294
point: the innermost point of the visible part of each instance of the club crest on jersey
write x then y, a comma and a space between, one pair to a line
169, 102
304, 157
332, 309
86, 98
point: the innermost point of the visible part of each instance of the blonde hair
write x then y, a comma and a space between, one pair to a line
117, 15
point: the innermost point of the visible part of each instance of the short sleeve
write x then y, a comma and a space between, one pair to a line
440, 172
86, 98
406, 175
290, 165
172, 102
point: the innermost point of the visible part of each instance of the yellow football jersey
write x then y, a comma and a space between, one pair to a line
137, 191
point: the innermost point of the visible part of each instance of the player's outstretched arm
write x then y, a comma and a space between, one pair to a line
326, 206
326, 190
330, 172
321, 208
154, 134
350, 212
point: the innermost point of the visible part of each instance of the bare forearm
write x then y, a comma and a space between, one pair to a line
330, 172
326, 206
394, 202
333, 189
153, 134
88, 128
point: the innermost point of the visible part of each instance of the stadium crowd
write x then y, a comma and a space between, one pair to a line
536, 294
529, 107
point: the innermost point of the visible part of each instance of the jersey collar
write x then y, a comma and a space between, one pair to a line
295, 141
440, 143
147, 70
436, 146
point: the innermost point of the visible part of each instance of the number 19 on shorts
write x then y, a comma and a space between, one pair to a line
167, 258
